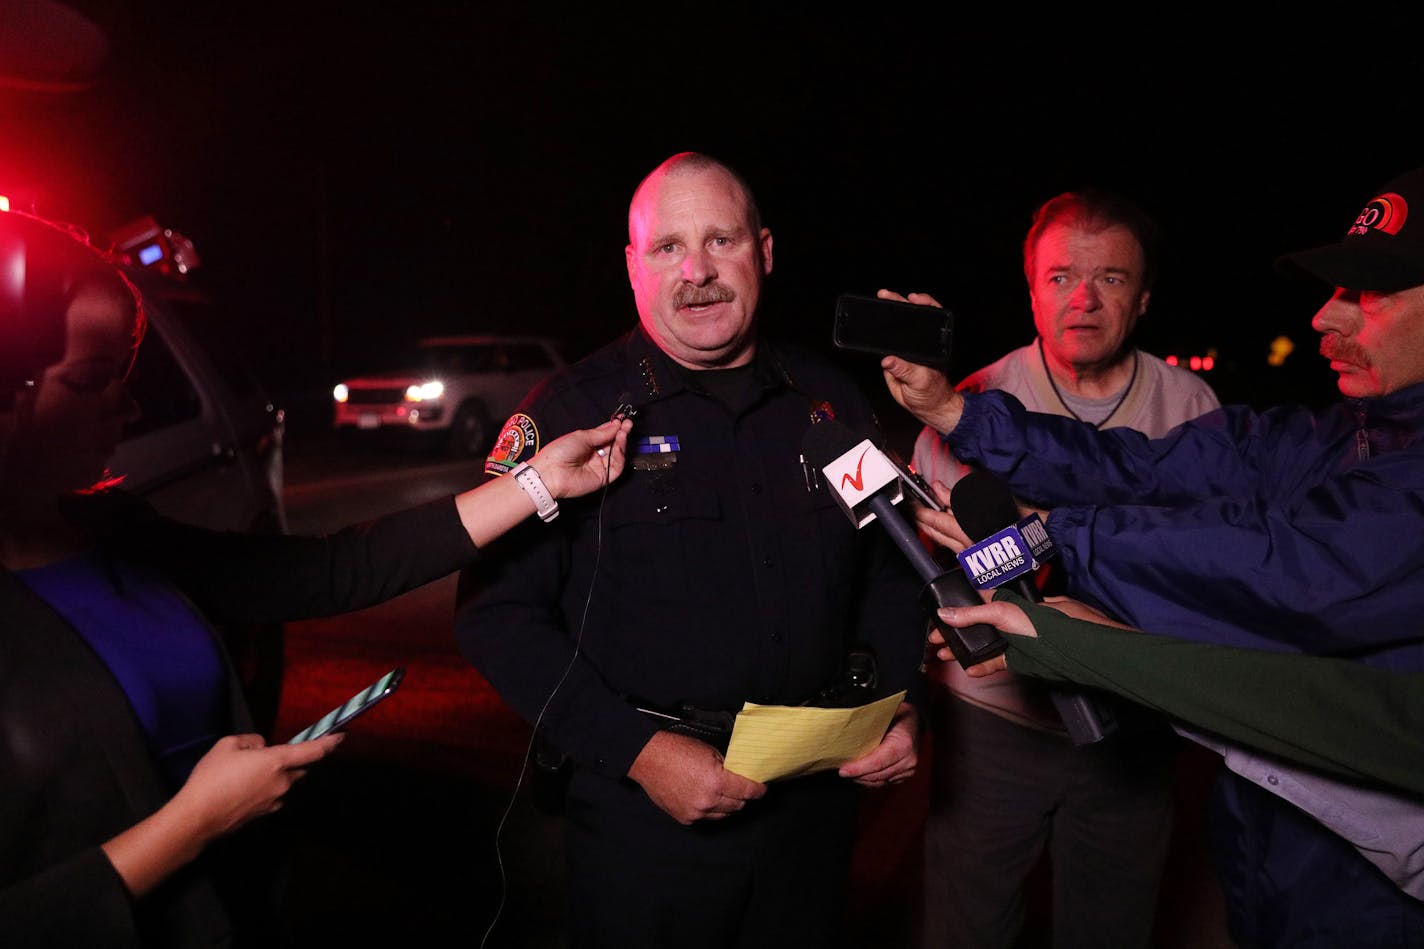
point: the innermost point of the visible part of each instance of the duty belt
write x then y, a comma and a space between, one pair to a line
712, 727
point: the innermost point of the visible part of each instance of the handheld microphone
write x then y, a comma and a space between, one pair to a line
983, 505
867, 486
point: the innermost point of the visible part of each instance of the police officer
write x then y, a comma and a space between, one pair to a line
718, 571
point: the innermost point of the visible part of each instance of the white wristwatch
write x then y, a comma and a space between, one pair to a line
528, 479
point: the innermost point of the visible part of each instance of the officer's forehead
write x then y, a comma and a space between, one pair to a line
679, 194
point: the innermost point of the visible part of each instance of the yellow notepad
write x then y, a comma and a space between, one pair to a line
780, 741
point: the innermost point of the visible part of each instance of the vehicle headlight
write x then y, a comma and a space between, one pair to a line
425, 391
340, 393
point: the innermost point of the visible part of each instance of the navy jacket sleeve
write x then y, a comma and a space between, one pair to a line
1235, 528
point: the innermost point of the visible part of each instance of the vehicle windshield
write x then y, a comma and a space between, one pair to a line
461, 359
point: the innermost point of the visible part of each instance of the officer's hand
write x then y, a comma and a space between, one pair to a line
895, 758
685, 778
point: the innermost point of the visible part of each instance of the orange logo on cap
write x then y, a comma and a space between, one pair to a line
1386, 213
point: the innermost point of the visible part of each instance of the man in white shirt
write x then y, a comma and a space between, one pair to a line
1006, 777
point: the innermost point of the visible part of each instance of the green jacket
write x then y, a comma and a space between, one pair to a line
1334, 715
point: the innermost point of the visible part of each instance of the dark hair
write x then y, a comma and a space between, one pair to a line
1096, 209
43, 266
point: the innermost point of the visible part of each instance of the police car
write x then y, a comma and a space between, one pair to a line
207, 447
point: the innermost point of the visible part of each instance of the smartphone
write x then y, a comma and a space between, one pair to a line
338, 717
921, 334
920, 489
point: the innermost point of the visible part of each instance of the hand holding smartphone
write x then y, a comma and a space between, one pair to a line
921, 334
356, 705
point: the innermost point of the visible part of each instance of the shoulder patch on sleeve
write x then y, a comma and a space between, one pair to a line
518, 442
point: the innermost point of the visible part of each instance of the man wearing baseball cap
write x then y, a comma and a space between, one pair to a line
1289, 530
1383, 251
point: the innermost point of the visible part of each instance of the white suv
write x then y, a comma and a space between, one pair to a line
457, 389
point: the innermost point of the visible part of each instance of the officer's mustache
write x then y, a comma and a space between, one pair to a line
1335, 348
700, 296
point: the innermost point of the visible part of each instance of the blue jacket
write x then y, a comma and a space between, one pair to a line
1287, 530
1264, 530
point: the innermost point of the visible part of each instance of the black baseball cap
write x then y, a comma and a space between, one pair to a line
1384, 248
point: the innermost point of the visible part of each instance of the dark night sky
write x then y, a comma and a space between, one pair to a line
353, 179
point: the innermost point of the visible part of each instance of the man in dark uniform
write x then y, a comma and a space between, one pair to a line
718, 571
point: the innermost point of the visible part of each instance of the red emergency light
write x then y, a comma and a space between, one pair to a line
1196, 363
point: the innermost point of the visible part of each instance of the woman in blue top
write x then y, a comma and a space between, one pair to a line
127, 754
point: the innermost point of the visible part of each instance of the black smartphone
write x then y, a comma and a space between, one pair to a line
921, 334
352, 707
920, 489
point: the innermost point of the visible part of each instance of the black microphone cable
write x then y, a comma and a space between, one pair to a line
624, 410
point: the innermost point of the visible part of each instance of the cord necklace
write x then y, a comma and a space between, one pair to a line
1064, 402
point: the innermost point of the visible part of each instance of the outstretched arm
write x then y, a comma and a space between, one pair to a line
573, 464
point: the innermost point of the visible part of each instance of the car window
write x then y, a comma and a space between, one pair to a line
161, 388
217, 331
524, 356
462, 359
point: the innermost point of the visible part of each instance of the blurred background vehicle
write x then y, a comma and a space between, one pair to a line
451, 393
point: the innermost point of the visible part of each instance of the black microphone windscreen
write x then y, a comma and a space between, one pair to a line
827, 440
983, 504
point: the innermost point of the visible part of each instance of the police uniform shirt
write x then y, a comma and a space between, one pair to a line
716, 570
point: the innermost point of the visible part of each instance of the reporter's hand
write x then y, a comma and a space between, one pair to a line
920, 299
1005, 617
1008, 618
942, 527
1079, 610
922, 391
241, 778
578, 462
685, 778
895, 758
